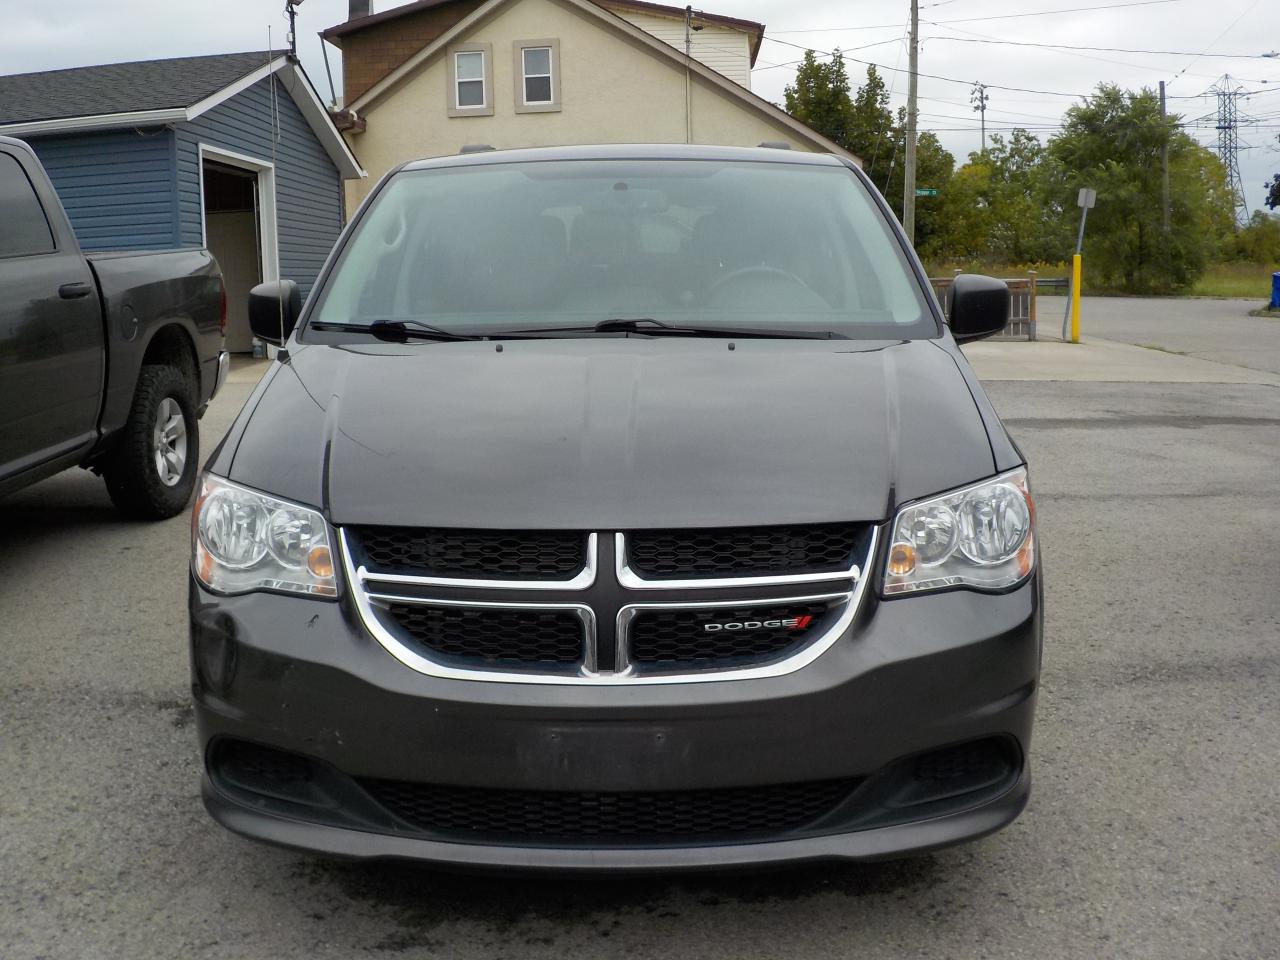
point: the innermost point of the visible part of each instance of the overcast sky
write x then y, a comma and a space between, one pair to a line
51, 34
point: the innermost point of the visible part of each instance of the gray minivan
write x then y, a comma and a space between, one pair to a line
624, 507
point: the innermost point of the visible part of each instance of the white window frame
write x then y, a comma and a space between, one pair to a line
269, 237
484, 109
545, 106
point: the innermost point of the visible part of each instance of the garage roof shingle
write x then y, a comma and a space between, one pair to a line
122, 87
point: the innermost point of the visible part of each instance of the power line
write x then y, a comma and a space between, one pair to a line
934, 76
1070, 46
1002, 16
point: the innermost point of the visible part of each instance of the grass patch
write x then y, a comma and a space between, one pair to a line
1243, 280
1234, 280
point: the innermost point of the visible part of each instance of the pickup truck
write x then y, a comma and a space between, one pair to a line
107, 360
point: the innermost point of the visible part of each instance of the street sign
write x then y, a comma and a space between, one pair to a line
1087, 198
926, 191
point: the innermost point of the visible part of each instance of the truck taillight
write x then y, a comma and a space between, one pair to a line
222, 310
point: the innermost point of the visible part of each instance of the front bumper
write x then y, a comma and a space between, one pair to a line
912, 675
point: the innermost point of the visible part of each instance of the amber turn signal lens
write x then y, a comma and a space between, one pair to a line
902, 559
320, 562
204, 563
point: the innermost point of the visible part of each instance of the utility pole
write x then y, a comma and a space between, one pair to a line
978, 97
1164, 165
909, 181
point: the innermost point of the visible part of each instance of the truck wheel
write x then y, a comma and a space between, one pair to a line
152, 471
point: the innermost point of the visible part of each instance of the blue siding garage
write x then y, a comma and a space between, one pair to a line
234, 152
117, 186
308, 188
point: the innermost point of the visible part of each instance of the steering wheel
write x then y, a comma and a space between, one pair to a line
759, 270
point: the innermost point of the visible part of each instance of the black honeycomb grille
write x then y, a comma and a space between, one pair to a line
492, 636
743, 551
477, 554
680, 635
517, 816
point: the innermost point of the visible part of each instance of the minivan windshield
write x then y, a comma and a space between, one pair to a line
547, 245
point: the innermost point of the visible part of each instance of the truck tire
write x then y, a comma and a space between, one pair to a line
152, 471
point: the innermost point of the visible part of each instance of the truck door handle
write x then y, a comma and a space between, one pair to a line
74, 291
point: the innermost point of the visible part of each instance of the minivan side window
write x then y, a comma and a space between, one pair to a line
25, 228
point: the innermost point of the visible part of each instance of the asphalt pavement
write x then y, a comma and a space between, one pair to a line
1216, 330
1152, 831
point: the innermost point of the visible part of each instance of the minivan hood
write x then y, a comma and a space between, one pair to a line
613, 433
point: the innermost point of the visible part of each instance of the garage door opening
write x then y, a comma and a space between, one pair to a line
238, 205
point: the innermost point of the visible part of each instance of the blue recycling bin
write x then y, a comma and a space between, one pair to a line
1275, 291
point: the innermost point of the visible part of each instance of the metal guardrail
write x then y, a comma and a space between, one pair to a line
1021, 323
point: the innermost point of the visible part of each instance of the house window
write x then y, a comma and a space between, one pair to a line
471, 80
537, 72
470, 67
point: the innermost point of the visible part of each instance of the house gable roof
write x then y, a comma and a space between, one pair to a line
663, 50
153, 92
335, 33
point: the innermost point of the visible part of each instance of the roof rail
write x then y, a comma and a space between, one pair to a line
475, 148
776, 145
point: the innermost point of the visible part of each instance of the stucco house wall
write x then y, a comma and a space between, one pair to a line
612, 90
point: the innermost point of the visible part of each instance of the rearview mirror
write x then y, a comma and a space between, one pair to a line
979, 307
273, 310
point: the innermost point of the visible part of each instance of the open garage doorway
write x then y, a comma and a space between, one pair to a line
238, 208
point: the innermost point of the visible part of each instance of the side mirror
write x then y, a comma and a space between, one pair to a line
979, 307
273, 310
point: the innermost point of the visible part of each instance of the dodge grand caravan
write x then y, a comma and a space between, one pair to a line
618, 508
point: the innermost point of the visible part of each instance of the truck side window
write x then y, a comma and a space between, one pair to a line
26, 229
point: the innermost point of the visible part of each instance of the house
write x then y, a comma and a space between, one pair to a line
425, 78
234, 152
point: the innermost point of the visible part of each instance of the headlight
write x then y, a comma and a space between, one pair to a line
982, 537
242, 540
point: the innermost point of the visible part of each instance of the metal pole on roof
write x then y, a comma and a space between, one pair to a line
333, 95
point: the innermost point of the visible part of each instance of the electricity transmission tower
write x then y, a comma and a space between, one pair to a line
1228, 93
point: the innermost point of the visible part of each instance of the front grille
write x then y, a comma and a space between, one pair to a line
679, 635
492, 636
475, 554
545, 606
743, 551
516, 816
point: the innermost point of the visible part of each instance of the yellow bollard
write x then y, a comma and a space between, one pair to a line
1075, 299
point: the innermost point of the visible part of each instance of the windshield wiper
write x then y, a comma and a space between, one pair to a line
395, 331
658, 328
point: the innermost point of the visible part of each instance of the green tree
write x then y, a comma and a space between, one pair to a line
1026, 212
964, 222
1112, 142
872, 130
1001, 206
819, 98
863, 124
1259, 241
